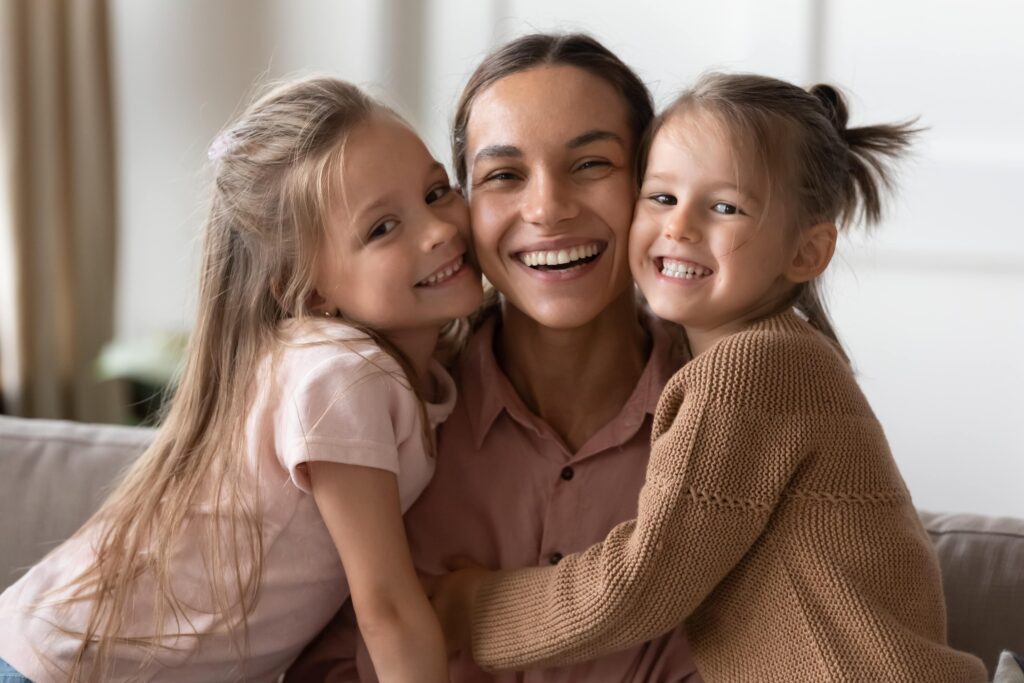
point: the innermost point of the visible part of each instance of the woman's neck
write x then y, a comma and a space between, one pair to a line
576, 380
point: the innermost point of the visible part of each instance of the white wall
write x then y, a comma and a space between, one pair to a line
931, 308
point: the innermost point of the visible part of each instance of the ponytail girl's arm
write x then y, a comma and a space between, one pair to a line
360, 506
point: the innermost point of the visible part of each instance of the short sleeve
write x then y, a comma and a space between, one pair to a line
334, 417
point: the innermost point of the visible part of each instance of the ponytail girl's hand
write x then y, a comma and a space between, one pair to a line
453, 597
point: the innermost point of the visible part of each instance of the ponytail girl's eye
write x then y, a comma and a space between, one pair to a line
664, 199
725, 208
437, 193
381, 229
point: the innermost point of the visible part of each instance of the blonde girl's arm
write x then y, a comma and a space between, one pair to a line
360, 506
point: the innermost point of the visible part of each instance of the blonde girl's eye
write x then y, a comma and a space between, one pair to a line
664, 199
438, 192
381, 229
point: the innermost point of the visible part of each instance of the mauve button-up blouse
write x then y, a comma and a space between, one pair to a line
507, 492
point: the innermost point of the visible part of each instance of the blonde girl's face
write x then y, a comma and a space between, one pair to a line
702, 249
396, 254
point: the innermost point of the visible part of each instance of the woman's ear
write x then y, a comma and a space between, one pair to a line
814, 251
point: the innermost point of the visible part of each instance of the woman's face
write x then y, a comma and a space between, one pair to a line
549, 159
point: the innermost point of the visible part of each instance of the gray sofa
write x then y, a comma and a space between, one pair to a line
54, 474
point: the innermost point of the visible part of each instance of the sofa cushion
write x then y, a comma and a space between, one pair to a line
53, 476
982, 561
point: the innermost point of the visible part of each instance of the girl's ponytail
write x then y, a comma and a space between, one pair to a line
871, 150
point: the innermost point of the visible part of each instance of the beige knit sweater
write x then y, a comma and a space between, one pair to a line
773, 522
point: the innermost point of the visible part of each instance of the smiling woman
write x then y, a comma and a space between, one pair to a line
546, 448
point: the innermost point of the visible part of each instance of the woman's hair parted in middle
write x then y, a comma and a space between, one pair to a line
818, 167
550, 49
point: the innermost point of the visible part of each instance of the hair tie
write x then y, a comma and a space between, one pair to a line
834, 105
220, 145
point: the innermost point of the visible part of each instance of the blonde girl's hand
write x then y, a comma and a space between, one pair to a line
453, 597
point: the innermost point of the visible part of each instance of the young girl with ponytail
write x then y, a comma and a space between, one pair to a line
773, 522
334, 257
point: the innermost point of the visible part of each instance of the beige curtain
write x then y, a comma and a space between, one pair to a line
57, 208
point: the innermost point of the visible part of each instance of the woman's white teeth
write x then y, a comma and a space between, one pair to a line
683, 271
558, 257
443, 275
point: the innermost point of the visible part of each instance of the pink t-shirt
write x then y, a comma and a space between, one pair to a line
332, 396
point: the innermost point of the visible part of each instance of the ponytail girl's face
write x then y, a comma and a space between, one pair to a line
396, 254
705, 248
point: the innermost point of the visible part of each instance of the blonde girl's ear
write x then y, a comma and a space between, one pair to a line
814, 251
317, 305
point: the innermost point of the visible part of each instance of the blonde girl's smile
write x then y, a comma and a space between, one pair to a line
445, 273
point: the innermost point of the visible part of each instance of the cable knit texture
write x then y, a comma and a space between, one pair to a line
773, 522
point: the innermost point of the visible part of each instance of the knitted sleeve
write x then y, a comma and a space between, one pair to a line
730, 430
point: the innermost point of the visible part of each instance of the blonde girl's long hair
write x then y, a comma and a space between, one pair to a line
821, 168
274, 172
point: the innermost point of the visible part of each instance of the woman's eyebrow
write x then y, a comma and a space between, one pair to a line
594, 136
498, 151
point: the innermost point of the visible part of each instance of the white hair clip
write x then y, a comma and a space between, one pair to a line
220, 145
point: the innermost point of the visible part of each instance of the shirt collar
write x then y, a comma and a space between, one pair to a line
487, 390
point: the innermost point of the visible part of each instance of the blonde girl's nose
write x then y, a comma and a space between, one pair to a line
439, 232
546, 202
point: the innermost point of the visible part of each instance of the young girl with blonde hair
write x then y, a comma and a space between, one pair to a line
335, 256
773, 523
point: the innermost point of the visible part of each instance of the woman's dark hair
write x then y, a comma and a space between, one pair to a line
546, 49
823, 170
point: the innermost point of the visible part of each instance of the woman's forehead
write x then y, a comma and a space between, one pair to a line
548, 105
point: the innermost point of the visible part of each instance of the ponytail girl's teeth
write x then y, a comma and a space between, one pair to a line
683, 271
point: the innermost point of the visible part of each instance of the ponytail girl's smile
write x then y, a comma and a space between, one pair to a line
398, 236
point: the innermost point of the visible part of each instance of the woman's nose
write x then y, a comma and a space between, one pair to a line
547, 201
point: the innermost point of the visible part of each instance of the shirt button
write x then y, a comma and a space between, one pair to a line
555, 558
567, 473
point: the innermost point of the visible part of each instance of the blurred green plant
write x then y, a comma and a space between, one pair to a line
149, 365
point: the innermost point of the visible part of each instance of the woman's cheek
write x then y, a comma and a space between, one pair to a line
486, 220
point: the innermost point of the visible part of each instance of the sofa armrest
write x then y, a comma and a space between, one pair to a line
982, 560
53, 476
